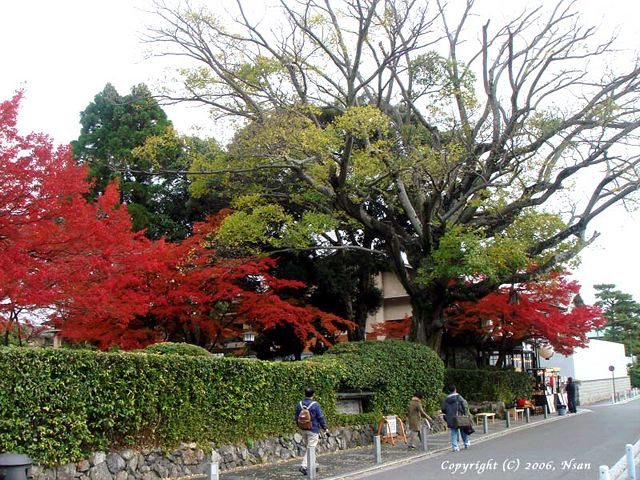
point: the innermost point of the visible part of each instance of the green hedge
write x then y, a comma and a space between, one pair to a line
57, 405
171, 348
634, 373
391, 369
481, 385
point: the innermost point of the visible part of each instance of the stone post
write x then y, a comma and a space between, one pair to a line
214, 470
424, 431
311, 462
377, 450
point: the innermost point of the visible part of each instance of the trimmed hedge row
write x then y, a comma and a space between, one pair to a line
393, 369
485, 385
176, 348
58, 405
634, 373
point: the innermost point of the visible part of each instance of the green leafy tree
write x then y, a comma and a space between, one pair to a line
130, 137
623, 317
371, 117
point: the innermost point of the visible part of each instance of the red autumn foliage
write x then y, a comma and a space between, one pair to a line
541, 310
62, 257
79, 266
391, 329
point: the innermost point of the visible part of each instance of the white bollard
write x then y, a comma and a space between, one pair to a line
311, 462
424, 431
631, 464
377, 450
214, 473
604, 473
214, 470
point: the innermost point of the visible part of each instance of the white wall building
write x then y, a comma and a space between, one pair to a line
589, 367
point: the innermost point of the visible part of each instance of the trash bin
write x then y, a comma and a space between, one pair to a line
562, 410
14, 466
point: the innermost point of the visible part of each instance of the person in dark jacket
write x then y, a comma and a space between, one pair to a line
570, 387
318, 421
452, 405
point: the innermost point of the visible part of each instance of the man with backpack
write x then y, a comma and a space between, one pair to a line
310, 419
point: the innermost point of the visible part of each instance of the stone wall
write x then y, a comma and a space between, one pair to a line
592, 391
191, 459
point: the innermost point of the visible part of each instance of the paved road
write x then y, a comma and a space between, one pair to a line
571, 449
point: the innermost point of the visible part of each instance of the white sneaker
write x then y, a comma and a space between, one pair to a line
467, 445
456, 449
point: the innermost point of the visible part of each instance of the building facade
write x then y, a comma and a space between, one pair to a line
589, 367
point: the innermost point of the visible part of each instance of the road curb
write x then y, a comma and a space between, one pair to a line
441, 451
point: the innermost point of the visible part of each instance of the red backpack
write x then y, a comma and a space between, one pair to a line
304, 417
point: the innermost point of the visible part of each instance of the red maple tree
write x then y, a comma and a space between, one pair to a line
391, 329
542, 310
77, 264
206, 298
61, 256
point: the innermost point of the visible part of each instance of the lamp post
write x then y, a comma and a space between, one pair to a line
613, 381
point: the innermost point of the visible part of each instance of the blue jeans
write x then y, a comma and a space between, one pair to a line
454, 438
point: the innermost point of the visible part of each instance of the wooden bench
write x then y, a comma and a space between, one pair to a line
514, 412
479, 417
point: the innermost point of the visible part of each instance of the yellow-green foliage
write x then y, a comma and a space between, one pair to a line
465, 252
260, 226
281, 135
255, 224
362, 122
157, 147
206, 156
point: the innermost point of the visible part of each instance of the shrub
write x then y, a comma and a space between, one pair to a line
634, 373
392, 369
170, 348
58, 405
488, 385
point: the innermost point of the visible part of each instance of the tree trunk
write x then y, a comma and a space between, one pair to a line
361, 307
428, 321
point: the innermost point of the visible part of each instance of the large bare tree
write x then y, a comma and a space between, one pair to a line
475, 154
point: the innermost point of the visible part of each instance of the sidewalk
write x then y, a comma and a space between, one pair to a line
344, 463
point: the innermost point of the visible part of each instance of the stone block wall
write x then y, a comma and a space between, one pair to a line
191, 459
593, 391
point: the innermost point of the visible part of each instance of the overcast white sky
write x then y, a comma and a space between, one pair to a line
63, 52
